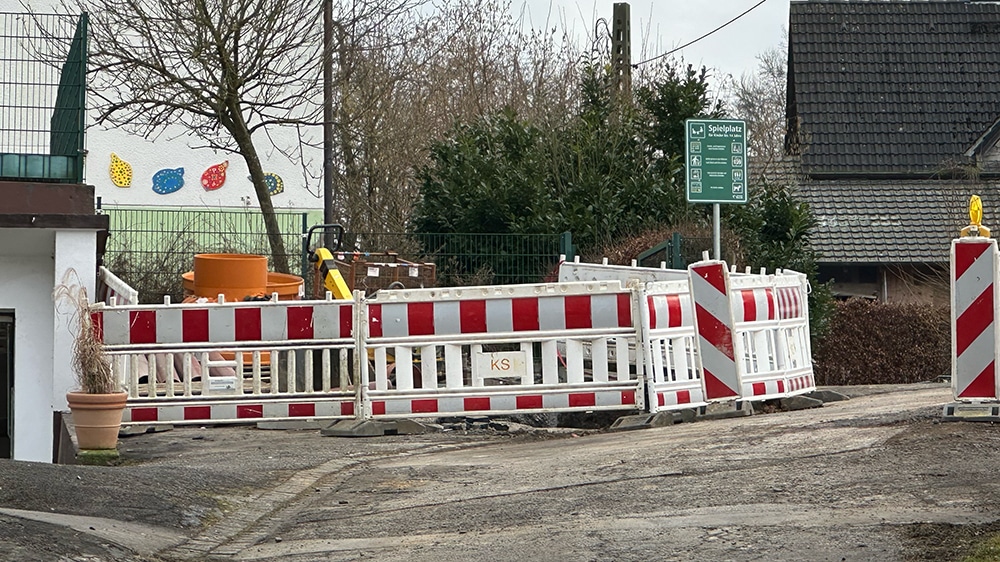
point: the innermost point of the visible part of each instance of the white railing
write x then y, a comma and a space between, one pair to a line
112, 290
597, 344
196, 362
527, 348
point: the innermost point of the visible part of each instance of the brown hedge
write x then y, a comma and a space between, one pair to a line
884, 343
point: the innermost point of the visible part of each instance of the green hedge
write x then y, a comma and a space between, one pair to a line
884, 343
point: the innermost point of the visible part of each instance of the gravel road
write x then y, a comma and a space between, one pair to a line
877, 477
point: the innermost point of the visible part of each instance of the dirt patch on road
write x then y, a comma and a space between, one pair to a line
940, 541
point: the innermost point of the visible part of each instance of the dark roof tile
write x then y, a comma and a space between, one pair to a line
904, 87
893, 221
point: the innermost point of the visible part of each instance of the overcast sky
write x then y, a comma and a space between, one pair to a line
660, 25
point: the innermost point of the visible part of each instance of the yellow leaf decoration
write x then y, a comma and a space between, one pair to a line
121, 171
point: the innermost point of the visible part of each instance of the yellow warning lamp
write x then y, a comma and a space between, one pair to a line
976, 227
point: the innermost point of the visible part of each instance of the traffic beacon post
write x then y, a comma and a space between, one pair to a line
975, 322
975, 227
716, 163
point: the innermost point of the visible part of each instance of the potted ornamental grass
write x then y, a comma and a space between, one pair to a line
99, 401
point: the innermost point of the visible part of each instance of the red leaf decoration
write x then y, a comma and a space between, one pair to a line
214, 176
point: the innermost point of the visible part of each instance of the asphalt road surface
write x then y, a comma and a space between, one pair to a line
878, 477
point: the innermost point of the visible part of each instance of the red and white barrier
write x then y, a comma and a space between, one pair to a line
770, 330
181, 363
974, 300
670, 351
714, 325
666, 340
214, 323
215, 411
446, 351
772, 334
111, 289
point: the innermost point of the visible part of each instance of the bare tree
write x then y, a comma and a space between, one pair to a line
224, 70
759, 99
404, 83
230, 72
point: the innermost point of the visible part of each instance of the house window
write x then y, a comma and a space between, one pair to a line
853, 274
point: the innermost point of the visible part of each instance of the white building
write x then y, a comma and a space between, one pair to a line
49, 232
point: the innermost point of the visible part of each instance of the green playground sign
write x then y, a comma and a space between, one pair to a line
716, 160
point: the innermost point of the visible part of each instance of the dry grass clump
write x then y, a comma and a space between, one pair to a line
90, 363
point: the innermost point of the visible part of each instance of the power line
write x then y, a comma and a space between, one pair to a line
689, 43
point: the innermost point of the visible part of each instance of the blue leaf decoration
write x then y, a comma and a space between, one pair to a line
168, 180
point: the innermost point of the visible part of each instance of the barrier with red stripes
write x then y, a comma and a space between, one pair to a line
771, 334
669, 346
662, 340
770, 326
974, 300
111, 289
714, 326
238, 411
229, 362
198, 323
493, 350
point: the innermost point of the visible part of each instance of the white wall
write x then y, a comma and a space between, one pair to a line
149, 157
27, 278
75, 264
34, 262
173, 149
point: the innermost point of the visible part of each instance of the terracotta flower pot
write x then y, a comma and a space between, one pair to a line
97, 418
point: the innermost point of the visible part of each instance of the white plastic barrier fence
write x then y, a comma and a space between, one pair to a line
684, 340
581, 271
791, 291
229, 362
670, 354
112, 290
766, 319
490, 350
771, 321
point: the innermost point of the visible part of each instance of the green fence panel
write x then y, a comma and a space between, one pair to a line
69, 115
43, 82
151, 248
676, 252
470, 258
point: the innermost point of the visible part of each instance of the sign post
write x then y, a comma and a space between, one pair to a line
716, 163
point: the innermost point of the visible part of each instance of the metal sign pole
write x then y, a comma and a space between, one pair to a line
716, 232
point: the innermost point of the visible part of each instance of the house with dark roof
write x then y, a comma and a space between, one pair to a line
894, 117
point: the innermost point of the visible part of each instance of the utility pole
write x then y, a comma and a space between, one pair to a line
328, 218
621, 51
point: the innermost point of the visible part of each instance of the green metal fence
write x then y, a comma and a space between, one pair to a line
677, 252
473, 258
43, 82
151, 248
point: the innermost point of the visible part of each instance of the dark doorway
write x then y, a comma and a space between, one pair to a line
6, 384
